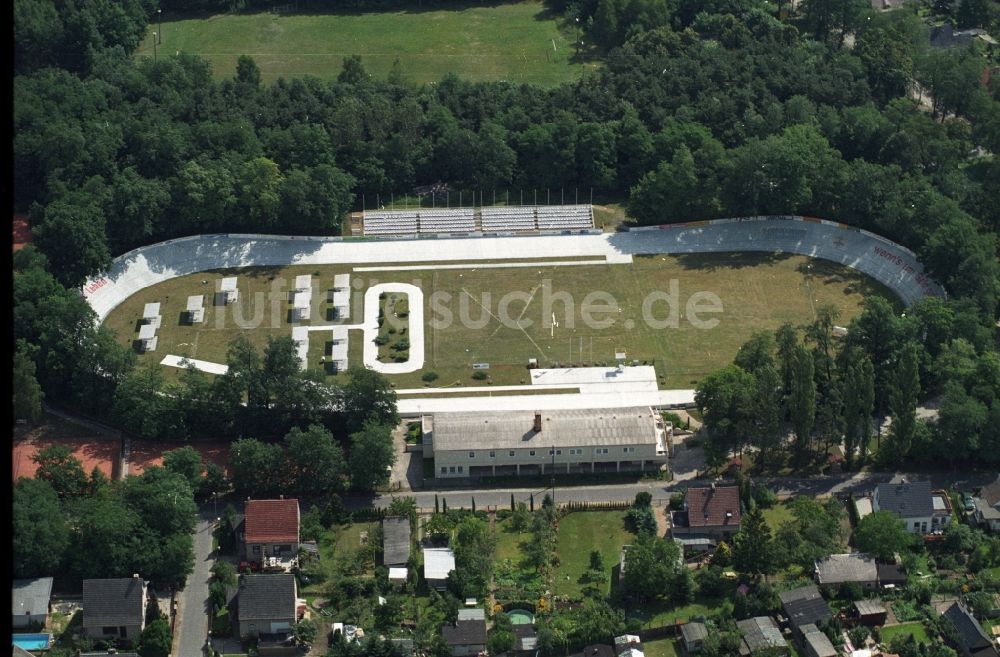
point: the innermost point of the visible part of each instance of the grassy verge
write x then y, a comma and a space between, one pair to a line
660, 648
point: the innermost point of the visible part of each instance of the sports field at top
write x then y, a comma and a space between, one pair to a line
519, 42
503, 316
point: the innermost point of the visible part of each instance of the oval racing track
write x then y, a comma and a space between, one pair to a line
893, 265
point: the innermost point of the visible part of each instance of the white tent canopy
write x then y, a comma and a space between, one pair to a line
229, 289
303, 282
195, 308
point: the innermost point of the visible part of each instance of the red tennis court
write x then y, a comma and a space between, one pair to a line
147, 454
92, 452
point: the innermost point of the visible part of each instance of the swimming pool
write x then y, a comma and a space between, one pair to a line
32, 641
520, 617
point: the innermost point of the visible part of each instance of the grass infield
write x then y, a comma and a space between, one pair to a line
519, 42
757, 291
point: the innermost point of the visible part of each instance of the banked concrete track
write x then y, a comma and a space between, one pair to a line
893, 265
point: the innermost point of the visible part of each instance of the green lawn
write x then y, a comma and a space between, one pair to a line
660, 648
777, 516
518, 42
509, 541
918, 631
662, 612
579, 534
757, 291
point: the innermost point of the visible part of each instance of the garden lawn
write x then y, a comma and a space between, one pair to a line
509, 542
661, 612
918, 631
660, 648
582, 532
519, 42
778, 515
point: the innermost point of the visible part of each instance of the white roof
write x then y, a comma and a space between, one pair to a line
438, 562
938, 503
302, 299
303, 282
341, 298
300, 333
228, 284
147, 331
195, 302
151, 310
341, 281
397, 573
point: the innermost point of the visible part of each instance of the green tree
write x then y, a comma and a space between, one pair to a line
62, 470
247, 73
752, 549
881, 534
140, 404
802, 399
255, 467
725, 400
305, 632
164, 501
371, 455
155, 639
858, 386
903, 402
316, 462
40, 534
184, 461
367, 396
28, 394
651, 567
72, 235
353, 71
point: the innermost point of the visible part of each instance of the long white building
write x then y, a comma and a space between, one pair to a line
544, 442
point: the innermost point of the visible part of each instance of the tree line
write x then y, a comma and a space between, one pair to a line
825, 391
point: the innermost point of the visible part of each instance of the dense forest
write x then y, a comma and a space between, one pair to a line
700, 110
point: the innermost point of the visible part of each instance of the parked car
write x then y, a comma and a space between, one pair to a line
968, 502
252, 565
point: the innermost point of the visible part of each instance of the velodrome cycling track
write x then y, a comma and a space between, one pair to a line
889, 263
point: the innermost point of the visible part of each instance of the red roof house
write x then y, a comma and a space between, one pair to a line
271, 528
712, 511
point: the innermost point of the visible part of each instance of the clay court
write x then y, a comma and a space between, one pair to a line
93, 452
146, 455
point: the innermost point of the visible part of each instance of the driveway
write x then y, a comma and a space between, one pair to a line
192, 607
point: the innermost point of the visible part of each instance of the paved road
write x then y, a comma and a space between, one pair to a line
784, 486
192, 624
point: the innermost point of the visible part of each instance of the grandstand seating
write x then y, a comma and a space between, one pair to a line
505, 220
493, 220
391, 222
445, 220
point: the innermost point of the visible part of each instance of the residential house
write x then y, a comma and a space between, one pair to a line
710, 512
468, 635
987, 513
973, 640
114, 608
804, 606
945, 36
266, 605
628, 645
693, 637
761, 634
438, 564
854, 568
869, 612
891, 575
271, 529
817, 643
30, 600
914, 503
